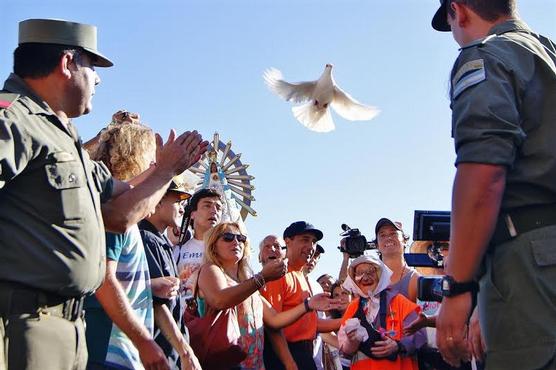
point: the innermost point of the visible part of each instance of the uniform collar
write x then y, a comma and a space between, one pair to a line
508, 26
32, 102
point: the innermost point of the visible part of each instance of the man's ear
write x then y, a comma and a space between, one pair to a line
461, 13
64, 65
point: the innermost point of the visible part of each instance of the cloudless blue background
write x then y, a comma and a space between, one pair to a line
199, 64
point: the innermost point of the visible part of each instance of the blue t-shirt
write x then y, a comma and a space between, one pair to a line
106, 343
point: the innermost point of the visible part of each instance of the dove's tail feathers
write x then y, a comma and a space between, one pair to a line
315, 119
349, 108
295, 92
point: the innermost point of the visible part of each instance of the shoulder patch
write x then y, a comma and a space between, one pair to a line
6, 99
469, 74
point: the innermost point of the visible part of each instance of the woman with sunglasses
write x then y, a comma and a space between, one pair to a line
226, 280
376, 339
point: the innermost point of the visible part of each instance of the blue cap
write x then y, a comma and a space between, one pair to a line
302, 227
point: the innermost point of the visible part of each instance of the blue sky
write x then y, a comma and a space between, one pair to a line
199, 64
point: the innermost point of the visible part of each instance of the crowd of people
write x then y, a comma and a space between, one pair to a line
93, 274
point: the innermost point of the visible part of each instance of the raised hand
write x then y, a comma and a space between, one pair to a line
275, 269
122, 116
323, 302
420, 322
179, 153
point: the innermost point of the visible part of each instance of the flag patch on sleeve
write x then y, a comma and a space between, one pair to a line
469, 74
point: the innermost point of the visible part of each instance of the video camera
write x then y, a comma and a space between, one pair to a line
355, 242
431, 226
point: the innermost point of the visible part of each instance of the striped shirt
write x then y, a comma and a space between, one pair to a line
106, 343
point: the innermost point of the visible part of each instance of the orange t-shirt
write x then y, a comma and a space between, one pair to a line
286, 293
398, 309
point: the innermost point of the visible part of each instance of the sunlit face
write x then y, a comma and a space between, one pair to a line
170, 209
207, 214
343, 295
326, 282
230, 249
301, 248
82, 84
271, 249
366, 276
310, 266
390, 240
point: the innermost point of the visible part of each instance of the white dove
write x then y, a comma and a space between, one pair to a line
319, 95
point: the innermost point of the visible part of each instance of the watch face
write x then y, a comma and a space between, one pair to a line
445, 285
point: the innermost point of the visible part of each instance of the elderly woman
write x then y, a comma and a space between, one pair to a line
225, 280
372, 326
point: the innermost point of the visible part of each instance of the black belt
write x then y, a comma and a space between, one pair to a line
521, 220
16, 298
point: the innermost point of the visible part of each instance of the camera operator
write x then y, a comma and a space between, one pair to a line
391, 241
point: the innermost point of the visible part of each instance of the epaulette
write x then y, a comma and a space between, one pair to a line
479, 43
7, 99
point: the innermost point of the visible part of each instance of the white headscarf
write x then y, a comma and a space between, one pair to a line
349, 284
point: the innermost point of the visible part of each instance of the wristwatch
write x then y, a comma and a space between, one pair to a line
451, 288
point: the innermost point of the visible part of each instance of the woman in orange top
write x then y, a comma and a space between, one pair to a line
372, 326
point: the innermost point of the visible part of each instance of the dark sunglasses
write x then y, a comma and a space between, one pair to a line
228, 237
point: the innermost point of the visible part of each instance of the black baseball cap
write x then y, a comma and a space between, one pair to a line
440, 19
386, 221
319, 249
302, 227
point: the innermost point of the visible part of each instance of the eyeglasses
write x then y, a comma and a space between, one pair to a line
228, 237
372, 272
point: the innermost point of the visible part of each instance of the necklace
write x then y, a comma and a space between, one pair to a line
402, 273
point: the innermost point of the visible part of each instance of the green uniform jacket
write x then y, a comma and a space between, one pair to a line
503, 97
51, 228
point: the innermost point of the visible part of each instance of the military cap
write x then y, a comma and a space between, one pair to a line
440, 19
61, 32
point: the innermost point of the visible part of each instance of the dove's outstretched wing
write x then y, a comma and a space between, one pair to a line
349, 108
296, 92
315, 119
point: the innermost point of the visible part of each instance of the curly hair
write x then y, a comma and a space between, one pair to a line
211, 238
124, 149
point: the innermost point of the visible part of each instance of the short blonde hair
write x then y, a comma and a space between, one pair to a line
123, 148
210, 256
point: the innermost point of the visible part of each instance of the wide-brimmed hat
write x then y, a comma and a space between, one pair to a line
61, 32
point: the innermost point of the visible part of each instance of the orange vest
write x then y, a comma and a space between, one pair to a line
398, 309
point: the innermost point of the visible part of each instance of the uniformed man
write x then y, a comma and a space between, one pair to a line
503, 98
51, 219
